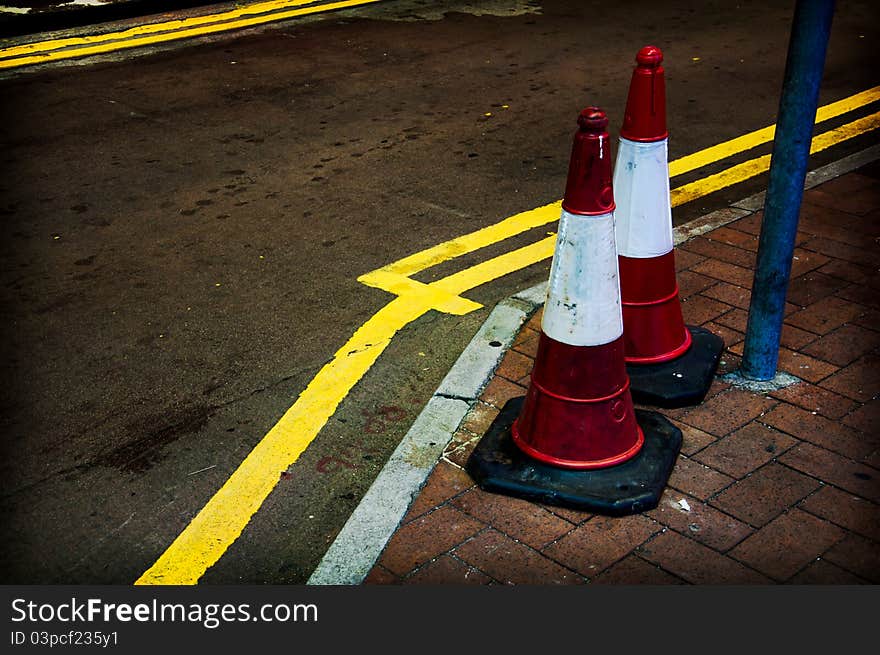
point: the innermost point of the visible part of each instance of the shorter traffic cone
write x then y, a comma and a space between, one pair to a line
669, 364
575, 438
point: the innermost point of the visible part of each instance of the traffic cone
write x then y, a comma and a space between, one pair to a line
575, 438
669, 364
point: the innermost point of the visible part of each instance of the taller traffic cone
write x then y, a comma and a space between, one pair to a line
670, 364
575, 438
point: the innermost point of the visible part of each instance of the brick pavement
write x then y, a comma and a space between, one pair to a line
780, 487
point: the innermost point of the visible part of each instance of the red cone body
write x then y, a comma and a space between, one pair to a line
654, 329
578, 412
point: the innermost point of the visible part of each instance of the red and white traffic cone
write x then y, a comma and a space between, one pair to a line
578, 412
575, 438
670, 364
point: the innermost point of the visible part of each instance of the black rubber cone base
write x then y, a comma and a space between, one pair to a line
634, 486
679, 382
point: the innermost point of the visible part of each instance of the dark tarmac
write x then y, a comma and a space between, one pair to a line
183, 230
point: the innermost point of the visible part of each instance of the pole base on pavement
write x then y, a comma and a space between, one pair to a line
634, 486
680, 382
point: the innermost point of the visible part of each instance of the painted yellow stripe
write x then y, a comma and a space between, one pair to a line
157, 33
221, 521
753, 167
226, 515
151, 28
528, 220
400, 285
447, 250
759, 137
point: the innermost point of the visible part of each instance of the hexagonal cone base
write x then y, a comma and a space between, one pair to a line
498, 466
679, 382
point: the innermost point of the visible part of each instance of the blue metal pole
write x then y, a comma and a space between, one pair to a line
805, 61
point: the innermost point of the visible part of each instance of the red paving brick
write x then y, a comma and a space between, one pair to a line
844, 251
729, 294
714, 249
859, 381
381, 576
844, 345
524, 521
835, 469
857, 555
735, 319
696, 563
820, 431
422, 540
685, 260
803, 366
733, 237
787, 544
725, 272
846, 510
690, 283
763, 495
847, 271
692, 439
446, 570
514, 366
510, 562
601, 541
861, 294
729, 335
633, 570
779, 488
461, 452
749, 224
479, 418
816, 399
697, 479
699, 521
803, 261
728, 411
812, 287
745, 449
500, 390
866, 418
699, 309
527, 342
822, 572
445, 482
573, 516
825, 315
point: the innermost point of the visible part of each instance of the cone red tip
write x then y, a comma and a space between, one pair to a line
645, 116
650, 56
588, 187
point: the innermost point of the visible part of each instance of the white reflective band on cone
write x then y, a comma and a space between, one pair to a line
583, 298
641, 191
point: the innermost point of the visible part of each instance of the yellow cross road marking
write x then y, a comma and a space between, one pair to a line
222, 520
155, 33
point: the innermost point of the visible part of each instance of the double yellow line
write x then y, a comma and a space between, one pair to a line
225, 516
260, 13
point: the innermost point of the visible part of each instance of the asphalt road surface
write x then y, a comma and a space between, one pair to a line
183, 229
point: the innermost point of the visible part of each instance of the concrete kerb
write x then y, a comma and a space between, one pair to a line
364, 536
362, 539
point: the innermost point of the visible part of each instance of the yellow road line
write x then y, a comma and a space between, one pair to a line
753, 167
527, 220
222, 520
151, 28
145, 35
765, 135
